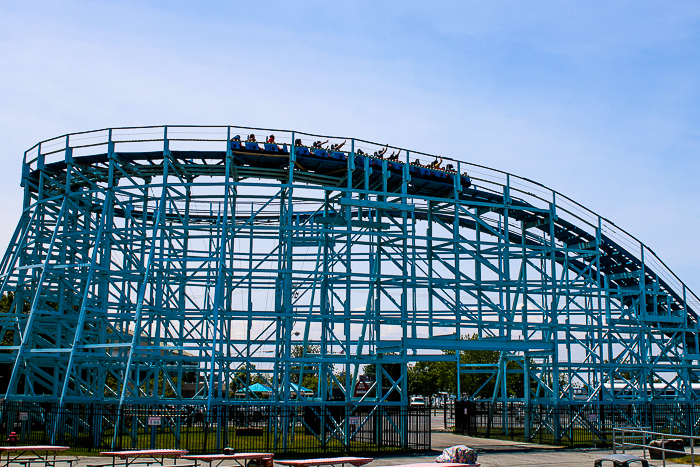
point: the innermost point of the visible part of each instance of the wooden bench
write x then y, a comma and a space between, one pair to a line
26, 461
620, 460
146, 462
69, 461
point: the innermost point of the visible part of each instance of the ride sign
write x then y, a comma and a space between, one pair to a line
361, 388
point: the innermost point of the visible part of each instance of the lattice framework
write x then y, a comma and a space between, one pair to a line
151, 266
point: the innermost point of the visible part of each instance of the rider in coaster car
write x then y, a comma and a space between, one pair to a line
436, 163
251, 138
360, 152
450, 168
297, 142
336, 147
319, 145
271, 140
395, 157
380, 154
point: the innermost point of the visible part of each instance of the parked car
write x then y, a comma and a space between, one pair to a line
418, 401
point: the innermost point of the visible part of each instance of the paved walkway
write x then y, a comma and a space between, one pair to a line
492, 453
500, 453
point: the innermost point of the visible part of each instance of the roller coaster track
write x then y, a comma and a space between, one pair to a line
620, 267
564, 231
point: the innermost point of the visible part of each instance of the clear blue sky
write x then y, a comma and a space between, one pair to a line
598, 100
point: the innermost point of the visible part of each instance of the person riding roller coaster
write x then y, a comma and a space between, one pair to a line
436, 163
271, 140
336, 147
394, 157
380, 154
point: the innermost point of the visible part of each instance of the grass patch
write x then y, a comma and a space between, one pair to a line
576, 438
199, 440
685, 460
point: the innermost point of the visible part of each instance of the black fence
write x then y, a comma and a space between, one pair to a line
448, 415
570, 425
323, 429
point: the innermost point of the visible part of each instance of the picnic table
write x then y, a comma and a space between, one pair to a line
241, 458
436, 464
151, 456
620, 460
330, 461
42, 454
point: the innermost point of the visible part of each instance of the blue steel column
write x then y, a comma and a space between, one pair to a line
218, 307
350, 376
33, 311
158, 219
286, 228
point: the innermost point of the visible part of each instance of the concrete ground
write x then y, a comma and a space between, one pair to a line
492, 453
501, 453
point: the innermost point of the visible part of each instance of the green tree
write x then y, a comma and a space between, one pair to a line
340, 376
370, 371
430, 377
8, 335
310, 370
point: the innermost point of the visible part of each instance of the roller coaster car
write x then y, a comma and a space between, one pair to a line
271, 157
272, 147
466, 181
395, 166
422, 177
320, 160
324, 161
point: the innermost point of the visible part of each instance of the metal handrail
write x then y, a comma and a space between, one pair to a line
652, 435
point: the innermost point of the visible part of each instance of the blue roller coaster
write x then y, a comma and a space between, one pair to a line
183, 265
